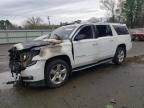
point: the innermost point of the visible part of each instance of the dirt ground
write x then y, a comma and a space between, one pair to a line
103, 86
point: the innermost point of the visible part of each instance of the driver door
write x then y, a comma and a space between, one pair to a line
84, 44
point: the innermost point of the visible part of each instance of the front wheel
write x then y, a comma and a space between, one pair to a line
56, 73
120, 55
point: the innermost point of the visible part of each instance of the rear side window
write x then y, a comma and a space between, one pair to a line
121, 30
103, 30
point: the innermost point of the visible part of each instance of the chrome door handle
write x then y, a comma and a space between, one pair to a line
111, 40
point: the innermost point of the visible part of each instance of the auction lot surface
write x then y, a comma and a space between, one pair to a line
92, 88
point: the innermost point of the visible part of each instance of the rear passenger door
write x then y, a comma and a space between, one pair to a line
105, 41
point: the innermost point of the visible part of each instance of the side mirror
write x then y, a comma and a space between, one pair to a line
80, 37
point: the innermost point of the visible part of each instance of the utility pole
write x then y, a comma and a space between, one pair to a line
49, 20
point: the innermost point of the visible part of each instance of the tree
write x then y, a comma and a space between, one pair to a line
33, 21
139, 14
110, 6
5, 24
36, 23
129, 10
134, 12
2, 24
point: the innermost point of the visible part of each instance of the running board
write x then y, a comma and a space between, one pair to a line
92, 65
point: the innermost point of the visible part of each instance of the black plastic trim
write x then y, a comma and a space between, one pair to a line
26, 78
92, 65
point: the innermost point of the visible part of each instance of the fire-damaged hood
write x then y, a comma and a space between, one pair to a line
36, 43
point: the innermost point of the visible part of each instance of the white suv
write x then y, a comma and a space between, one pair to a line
52, 58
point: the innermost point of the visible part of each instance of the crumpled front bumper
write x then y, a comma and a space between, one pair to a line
33, 73
28, 70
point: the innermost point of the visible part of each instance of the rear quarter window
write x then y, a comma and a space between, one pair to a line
121, 30
103, 31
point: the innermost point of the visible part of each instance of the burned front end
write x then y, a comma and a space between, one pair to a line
21, 55
19, 60
27, 60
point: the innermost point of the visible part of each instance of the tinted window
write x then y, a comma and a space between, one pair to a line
86, 33
121, 30
103, 30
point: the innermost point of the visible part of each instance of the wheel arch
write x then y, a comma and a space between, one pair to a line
62, 57
123, 46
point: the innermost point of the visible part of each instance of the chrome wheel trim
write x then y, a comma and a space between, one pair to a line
121, 56
58, 73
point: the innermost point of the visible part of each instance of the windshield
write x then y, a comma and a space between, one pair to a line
62, 33
46, 36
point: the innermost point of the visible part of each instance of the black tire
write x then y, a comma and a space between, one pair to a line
133, 38
116, 59
49, 66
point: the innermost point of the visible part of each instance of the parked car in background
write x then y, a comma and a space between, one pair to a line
52, 58
138, 36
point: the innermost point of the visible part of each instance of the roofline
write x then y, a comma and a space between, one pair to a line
100, 23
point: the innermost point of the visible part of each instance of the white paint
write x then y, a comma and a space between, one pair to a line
37, 71
86, 51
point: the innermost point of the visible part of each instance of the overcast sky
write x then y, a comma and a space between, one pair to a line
58, 10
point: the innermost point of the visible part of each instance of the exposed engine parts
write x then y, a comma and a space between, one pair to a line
21, 57
19, 60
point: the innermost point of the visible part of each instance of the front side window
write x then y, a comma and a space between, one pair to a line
103, 30
85, 33
121, 30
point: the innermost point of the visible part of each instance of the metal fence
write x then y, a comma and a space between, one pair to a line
15, 36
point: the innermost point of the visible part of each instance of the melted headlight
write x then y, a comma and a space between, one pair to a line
26, 57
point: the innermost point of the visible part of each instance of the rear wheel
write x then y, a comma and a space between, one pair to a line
133, 38
56, 73
120, 55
